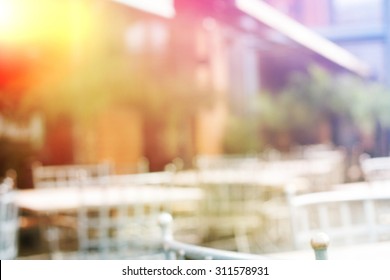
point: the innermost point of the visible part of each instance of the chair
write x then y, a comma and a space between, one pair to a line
181, 250
375, 169
230, 215
50, 176
142, 165
59, 227
349, 216
334, 159
184, 251
9, 223
226, 162
105, 230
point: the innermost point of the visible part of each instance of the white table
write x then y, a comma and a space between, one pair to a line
87, 211
69, 198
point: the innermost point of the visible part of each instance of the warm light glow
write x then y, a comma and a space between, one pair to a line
40, 21
302, 35
7, 14
162, 8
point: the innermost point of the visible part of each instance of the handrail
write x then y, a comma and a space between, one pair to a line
179, 250
8, 220
320, 243
193, 252
360, 213
372, 193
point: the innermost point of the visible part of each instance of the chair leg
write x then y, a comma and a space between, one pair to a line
241, 239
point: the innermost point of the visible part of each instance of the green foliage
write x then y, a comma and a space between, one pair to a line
309, 100
319, 96
242, 136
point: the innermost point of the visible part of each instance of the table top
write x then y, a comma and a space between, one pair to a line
70, 198
360, 191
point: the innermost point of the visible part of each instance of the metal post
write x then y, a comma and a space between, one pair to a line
320, 243
165, 223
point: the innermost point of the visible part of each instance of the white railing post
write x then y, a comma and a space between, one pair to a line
165, 223
320, 243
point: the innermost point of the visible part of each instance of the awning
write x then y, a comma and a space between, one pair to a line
302, 35
163, 8
271, 17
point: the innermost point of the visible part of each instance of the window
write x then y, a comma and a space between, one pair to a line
352, 12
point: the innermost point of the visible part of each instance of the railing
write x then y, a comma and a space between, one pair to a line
8, 220
183, 251
349, 216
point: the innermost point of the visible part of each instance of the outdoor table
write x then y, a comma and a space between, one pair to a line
63, 209
69, 198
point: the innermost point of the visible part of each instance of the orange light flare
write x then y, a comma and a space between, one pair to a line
44, 32
43, 21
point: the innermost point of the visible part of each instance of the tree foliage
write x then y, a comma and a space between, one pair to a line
306, 102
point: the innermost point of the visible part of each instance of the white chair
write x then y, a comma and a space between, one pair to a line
57, 230
176, 250
226, 162
106, 230
230, 215
334, 159
9, 222
186, 213
184, 251
50, 176
348, 216
376, 168
141, 166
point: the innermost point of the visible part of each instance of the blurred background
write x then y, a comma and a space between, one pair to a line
89, 81
124, 81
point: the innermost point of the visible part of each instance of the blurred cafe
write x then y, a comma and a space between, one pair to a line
205, 128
